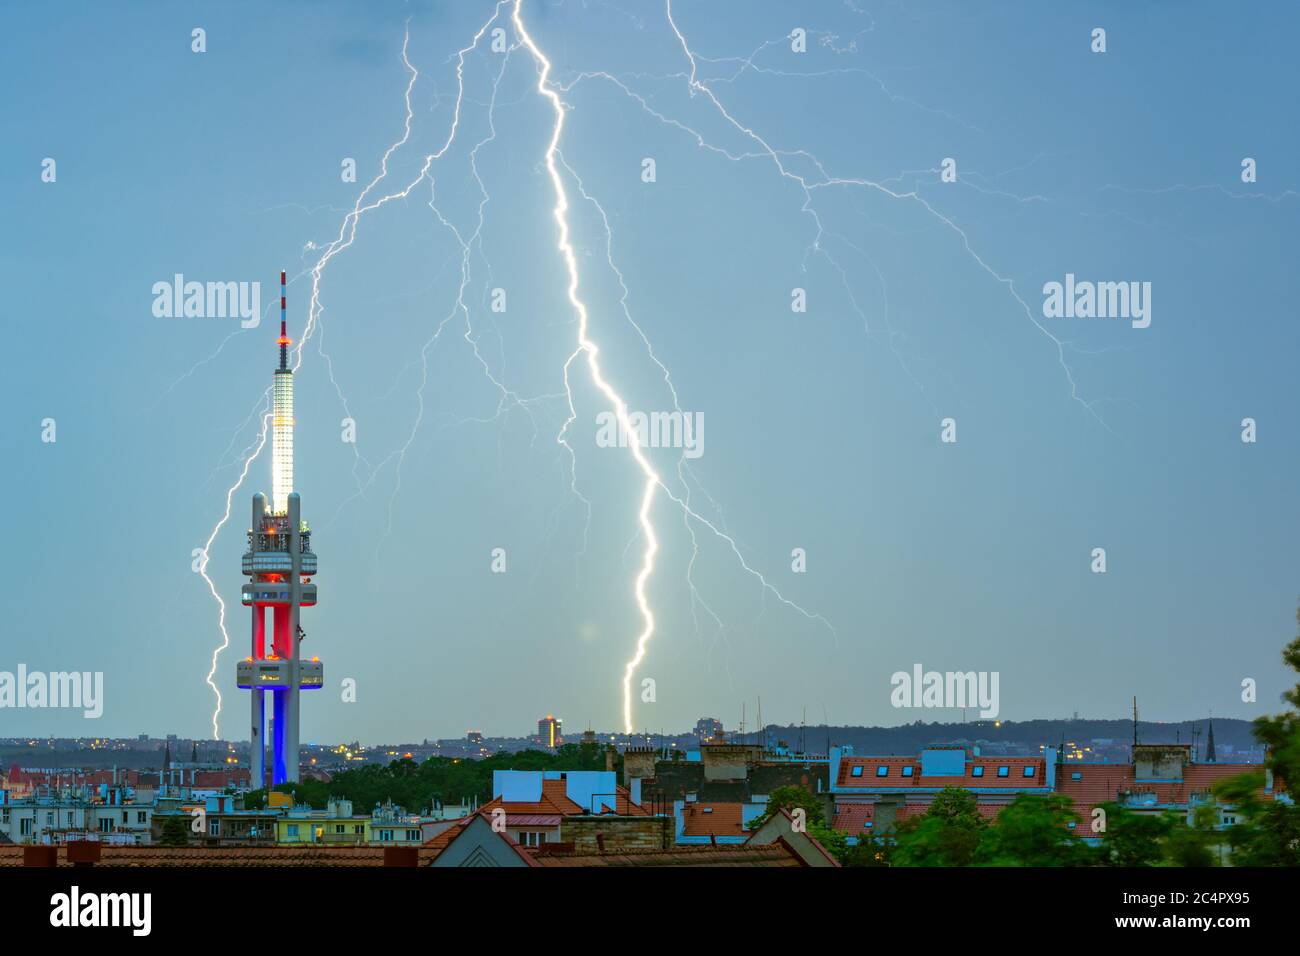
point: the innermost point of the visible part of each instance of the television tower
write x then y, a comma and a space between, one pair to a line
279, 563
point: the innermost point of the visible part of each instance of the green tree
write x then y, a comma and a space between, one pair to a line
1193, 845
790, 799
1034, 831
794, 798
869, 851
175, 831
947, 834
1269, 834
1134, 839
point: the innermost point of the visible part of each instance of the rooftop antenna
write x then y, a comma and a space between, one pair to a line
284, 333
1135, 723
826, 716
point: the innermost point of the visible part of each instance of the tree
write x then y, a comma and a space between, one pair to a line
793, 799
1269, 834
947, 834
1191, 845
1034, 831
175, 831
1134, 839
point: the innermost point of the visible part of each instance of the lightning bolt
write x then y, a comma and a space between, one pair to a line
586, 348
589, 348
695, 85
346, 236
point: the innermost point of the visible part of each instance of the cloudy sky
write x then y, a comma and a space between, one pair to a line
701, 217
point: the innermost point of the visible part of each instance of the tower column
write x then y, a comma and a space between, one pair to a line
257, 726
295, 607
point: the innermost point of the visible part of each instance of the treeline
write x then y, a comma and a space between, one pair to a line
446, 780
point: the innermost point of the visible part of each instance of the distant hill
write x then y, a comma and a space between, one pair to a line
910, 738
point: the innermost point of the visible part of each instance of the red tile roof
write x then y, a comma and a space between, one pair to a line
853, 817
714, 819
236, 856
554, 800
773, 854
894, 778
1103, 783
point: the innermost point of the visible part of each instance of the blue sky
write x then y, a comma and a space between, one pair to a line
822, 427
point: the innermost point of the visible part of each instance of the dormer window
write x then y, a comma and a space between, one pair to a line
857, 772
977, 771
907, 771
882, 770
1004, 771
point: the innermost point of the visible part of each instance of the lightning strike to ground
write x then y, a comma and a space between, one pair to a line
345, 238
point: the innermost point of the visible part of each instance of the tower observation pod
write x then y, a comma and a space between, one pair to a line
279, 564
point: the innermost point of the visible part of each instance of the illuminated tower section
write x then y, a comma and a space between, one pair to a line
279, 564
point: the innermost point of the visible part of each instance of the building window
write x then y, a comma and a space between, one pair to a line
105, 825
882, 770
293, 829
857, 772
1029, 771
25, 826
1004, 771
1076, 775
214, 828
339, 828
412, 835
907, 771
977, 771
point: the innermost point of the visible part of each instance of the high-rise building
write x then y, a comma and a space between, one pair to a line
707, 728
548, 731
279, 564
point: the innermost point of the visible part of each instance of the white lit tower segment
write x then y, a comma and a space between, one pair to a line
282, 424
280, 564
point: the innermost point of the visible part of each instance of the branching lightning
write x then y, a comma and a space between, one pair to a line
588, 347
345, 238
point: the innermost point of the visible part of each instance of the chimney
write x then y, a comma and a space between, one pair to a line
41, 856
83, 852
401, 856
